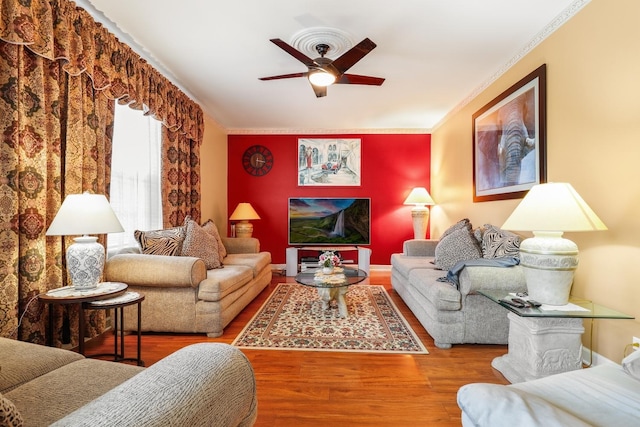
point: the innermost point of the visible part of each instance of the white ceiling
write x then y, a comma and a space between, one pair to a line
434, 54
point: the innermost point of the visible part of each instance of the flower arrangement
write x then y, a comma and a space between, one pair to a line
329, 259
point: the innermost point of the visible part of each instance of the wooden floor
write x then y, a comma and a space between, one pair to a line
306, 388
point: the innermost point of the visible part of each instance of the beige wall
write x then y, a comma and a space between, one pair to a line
593, 142
213, 154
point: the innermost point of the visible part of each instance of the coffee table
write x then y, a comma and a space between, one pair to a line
332, 286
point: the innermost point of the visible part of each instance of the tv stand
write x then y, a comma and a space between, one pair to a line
364, 256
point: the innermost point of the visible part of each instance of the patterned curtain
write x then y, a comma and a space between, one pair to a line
180, 178
60, 73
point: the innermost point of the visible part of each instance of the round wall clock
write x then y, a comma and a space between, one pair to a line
257, 160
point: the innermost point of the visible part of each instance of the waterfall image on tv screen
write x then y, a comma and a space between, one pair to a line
327, 221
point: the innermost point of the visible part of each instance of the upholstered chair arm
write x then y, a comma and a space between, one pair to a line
420, 247
155, 270
508, 279
205, 384
241, 245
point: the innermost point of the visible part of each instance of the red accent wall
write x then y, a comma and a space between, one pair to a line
391, 166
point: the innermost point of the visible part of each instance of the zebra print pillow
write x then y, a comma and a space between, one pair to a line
498, 243
161, 242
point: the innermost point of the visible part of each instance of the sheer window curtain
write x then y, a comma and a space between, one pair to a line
135, 175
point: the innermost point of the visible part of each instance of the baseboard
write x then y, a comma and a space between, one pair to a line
594, 359
280, 269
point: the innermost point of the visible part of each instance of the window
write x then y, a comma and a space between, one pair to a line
135, 175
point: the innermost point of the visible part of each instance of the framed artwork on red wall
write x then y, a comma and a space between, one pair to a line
331, 162
509, 141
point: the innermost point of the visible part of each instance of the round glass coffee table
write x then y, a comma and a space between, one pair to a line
332, 286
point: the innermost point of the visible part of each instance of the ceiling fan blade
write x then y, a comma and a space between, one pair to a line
320, 91
284, 76
294, 52
353, 55
355, 79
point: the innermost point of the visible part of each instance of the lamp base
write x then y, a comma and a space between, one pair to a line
244, 229
420, 217
85, 262
549, 262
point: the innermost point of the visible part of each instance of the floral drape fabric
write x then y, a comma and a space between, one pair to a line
60, 73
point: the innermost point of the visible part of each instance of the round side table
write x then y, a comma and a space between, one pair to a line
118, 304
70, 295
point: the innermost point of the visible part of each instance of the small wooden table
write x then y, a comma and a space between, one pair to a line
70, 295
118, 304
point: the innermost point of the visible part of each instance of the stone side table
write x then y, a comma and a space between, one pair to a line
547, 340
540, 347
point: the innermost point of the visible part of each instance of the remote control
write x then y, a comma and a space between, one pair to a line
513, 303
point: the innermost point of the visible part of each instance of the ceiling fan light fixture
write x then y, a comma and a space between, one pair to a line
321, 78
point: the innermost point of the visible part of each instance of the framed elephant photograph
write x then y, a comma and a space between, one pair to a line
509, 141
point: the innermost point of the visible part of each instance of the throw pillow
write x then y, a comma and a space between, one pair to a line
210, 227
161, 242
462, 224
9, 415
201, 244
631, 364
457, 246
498, 243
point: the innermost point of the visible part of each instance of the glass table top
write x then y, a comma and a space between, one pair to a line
340, 278
577, 308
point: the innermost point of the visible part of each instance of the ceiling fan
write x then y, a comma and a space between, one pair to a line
323, 72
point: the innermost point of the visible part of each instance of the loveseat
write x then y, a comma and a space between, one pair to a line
439, 280
206, 384
191, 294
606, 395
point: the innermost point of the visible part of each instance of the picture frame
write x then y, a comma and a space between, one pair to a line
331, 162
509, 141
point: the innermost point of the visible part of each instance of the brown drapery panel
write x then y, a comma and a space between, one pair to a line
59, 74
180, 178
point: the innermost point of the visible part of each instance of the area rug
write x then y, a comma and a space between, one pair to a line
292, 318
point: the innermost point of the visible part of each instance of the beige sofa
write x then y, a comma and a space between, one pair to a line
181, 295
206, 384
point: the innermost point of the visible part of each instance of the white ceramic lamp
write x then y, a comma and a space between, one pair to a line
244, 213
548, 259
84, 214
420, 199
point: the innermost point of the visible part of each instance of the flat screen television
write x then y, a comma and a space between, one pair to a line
329, 221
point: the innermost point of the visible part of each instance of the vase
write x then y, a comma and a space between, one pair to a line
327, 270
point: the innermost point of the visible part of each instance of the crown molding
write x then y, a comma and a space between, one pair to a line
568, 13
416, 131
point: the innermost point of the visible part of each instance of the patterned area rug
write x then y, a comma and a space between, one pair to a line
293, 319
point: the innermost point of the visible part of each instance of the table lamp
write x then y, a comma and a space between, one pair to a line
243, 213
83, 214
420, 198
549, 260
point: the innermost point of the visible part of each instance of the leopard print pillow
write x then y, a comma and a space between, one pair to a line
201, 244
9, 415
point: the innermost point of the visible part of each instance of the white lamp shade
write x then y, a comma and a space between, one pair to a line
244, 211
549, 260
84, 213
553, 207
419, 196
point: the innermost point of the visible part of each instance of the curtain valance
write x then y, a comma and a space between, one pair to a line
59, 30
